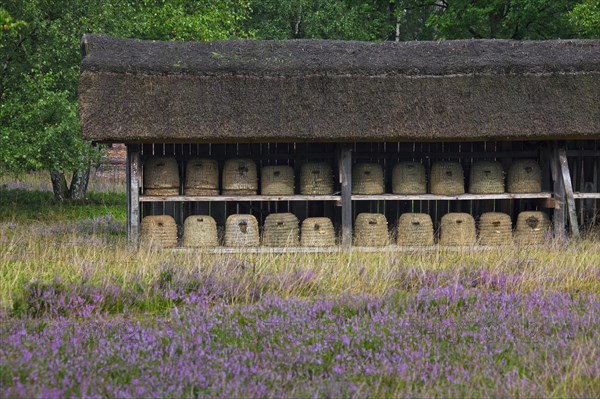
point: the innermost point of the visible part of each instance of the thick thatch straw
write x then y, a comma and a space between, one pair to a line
371, 230
367, 178
409, 178
415, 229
532, 228
316, 178
457, 229
495, 228
281, 230
487, 177
239, 177
201, 177
159, 230
235, 91
317, 232
161, 176
241, 231
525, 176
447, 178
200, 231
277, 180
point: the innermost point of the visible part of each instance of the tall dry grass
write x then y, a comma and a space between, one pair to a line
96, 250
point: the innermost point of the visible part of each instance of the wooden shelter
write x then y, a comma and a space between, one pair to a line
344, 103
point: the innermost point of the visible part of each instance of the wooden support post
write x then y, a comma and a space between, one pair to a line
568, 187
559, 195
134, 172
345, 167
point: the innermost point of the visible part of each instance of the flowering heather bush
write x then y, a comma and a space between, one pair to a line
445, 341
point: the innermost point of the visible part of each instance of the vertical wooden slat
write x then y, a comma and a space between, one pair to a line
345, 166
133, 193
559, 196
568, 188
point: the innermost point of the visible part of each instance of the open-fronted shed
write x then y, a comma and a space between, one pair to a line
278, 101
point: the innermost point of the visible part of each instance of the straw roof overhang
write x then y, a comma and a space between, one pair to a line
320, 90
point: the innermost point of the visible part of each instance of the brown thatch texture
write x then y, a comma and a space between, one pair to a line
495, 228
281, 230
457, 229
317, 232
230, 91
200, 231
415, 229
370, 230
160, 230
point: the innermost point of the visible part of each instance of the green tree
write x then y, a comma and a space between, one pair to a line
508, 19
586, 16
40, 57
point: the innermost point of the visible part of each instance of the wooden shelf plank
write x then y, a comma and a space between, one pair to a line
230, 198
586, 195
461, 197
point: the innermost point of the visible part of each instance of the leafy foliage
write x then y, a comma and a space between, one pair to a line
586, 16
509, 19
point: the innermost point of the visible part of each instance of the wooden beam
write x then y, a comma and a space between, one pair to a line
461, 197
559, 195
237, 198
134, 173
568, 187
345, 167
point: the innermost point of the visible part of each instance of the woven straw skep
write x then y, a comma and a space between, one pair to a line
160, 230
317, 232
409, 178
241, 231
316, 178
281, 230
457, 229
495, 228
415, 229
161, 176
525, 176
201, 177
447, 178
532, 228
371, 230
367, 178
240, 177
200, 231
277, 180
487, 177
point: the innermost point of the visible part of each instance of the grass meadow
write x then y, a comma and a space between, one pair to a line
83, 314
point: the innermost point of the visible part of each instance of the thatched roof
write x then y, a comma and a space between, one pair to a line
242, 91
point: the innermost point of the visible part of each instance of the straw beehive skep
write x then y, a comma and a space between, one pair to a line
161, 176
457, 229
201, 177
241, 231
532, 228
367, 178
371, 230
200, 231
415, 229
316, 178
281, 230
487, 177
447, 178
240, 177
409, 178
524, 176
160, 230
495, 228
317, 232
277, 180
